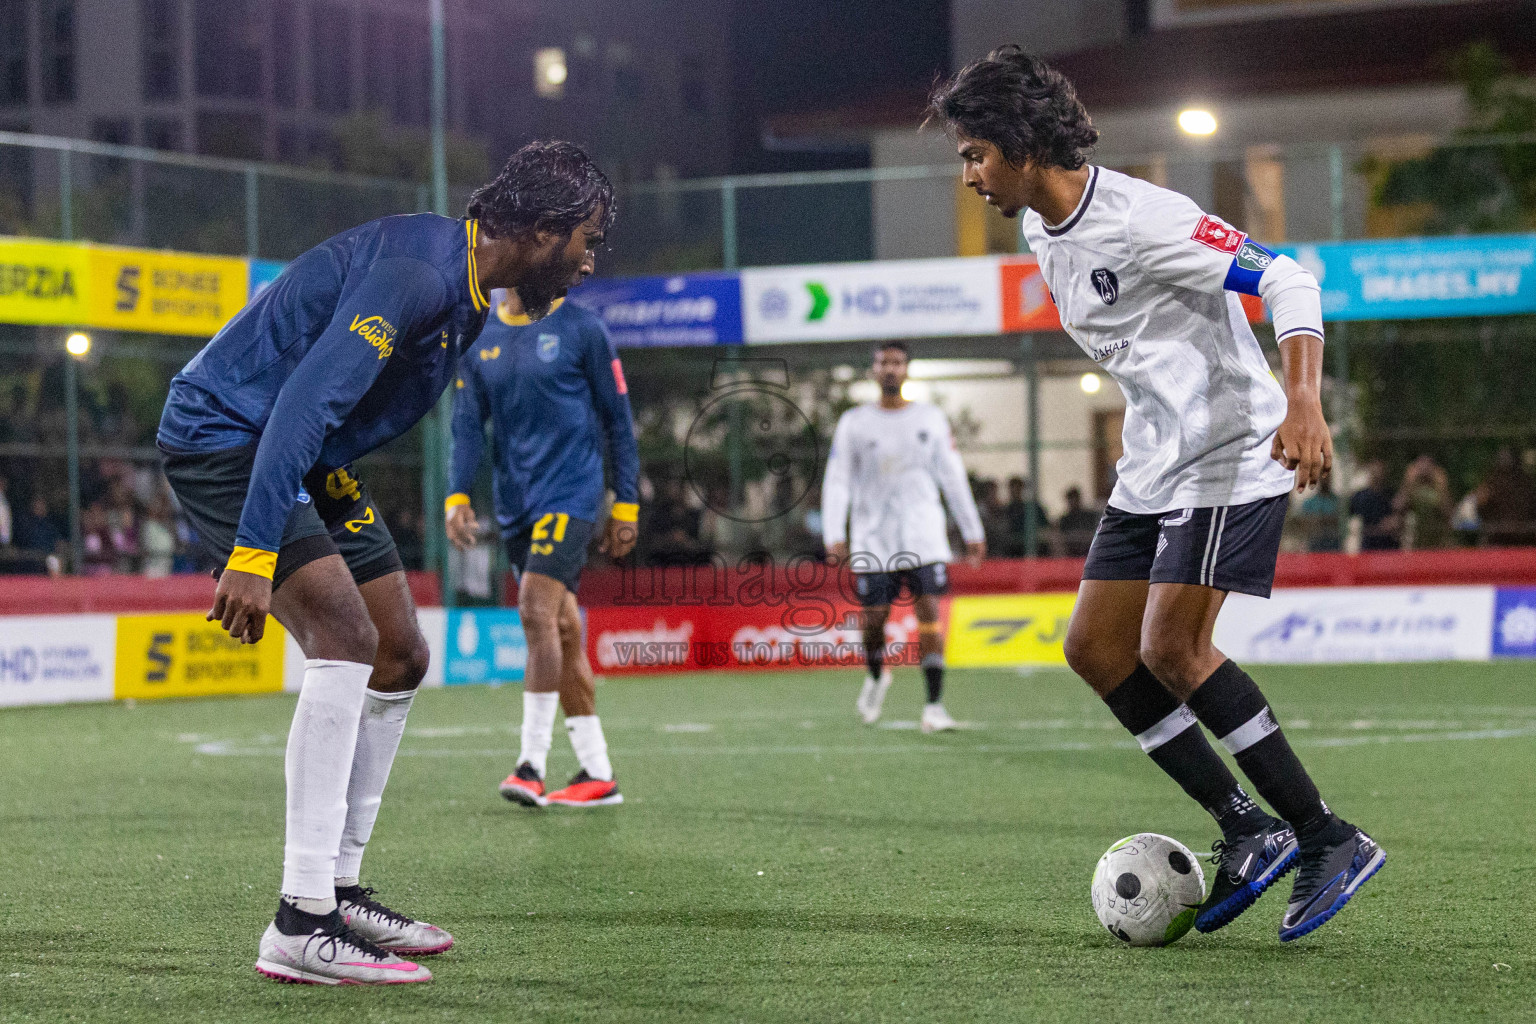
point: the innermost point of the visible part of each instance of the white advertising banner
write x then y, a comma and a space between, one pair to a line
433, 623
868, 301
57, 659
1337, 625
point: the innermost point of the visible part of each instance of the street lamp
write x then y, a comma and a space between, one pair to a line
78, 345
1197, 122
1090, 383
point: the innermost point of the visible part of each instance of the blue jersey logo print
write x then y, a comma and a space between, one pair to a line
303, 495
549, 347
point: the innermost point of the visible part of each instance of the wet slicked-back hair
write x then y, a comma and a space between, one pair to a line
1015, 101
549, 186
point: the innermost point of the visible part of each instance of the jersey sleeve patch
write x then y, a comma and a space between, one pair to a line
1248, 265
618, 376
1218, 234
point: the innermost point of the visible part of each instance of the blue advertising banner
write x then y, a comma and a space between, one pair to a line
263, 273
1514, 622
687, 309
1418, 278
485, 645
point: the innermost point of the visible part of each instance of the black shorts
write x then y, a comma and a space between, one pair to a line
334, 514
553, 545
1229, 547
877, 589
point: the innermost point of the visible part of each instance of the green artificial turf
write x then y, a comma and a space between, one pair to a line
775, 860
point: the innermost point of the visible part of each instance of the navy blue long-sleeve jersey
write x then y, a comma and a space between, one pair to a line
347, 349
553, 392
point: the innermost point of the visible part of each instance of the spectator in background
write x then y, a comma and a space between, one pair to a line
122, 524
38, 531
1372, 504
157, 538
1077, 525
994, 518
1424, 499
1021, 496
7, 533
96, 539
407, 534
1506, 503
1318, 518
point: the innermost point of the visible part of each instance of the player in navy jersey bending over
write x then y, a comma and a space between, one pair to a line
1147, 285
554, 395
352, 344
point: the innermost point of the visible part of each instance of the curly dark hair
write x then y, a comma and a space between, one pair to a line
548, 186
1021, 105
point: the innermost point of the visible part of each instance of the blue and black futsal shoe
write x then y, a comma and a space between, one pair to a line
1329, 875
1245, 867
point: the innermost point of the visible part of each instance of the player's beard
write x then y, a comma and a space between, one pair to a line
543, 286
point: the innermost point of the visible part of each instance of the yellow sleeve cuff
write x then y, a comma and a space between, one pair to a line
626, 511
254, 561
453, 502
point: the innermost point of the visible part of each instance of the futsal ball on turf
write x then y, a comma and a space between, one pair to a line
1146, 889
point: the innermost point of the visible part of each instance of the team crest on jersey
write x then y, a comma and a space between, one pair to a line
922, 437
549, 347
1254, 257
1218, 234
1106, 284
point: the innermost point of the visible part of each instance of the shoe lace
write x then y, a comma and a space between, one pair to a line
373, 907
332, 937
1222, 853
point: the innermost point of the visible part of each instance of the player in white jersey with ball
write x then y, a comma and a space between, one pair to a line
888, 464
1147, 284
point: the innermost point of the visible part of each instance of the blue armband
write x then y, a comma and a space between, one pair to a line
1248, 265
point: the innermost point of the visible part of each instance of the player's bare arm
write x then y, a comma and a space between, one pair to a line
1303, 442
618, 538
463, 527
241, 604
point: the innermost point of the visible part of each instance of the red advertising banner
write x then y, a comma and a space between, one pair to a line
683, 638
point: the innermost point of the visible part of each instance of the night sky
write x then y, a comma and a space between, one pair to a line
795, 55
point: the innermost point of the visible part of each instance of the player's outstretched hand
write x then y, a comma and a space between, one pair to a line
241, 604
463, 530
837, 553
975, 551
1303, 443
619, 538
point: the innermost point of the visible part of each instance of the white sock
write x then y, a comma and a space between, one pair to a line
538, 728
378, 737
317, 767
591, 748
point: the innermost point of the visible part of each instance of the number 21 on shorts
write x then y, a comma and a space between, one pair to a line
541, 532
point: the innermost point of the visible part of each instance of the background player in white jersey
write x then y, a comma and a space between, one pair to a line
888, 463
1146, 284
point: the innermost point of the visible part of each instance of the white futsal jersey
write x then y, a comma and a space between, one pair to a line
887, 466
1145, 283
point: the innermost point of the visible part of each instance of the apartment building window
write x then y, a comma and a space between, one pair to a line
13, 52
58, 56
162, 133
285, 53
330, 61
379, 69
160, 48
413, 63
230, 133
228, 38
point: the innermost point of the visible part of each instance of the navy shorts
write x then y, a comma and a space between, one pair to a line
1229, 547
553, 545
334, 514
877, 589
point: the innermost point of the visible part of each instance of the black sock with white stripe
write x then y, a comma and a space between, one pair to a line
1169, 734
1230, 705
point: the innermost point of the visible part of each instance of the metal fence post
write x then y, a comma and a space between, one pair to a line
729, 256
252, 213
66, 197
1343, 413
1031, 441
72, 458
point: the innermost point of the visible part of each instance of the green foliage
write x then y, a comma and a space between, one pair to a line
367, 143
1481, 188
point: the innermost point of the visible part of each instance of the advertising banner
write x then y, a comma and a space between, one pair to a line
1027, 304
485, 645
1337, 625
1514, 622
56, 659
865, 301
686, 309
1412, 278
165, 292
1008, 629
263, 273
43, 282
184, 655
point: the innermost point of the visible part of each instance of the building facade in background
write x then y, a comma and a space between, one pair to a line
646, 89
